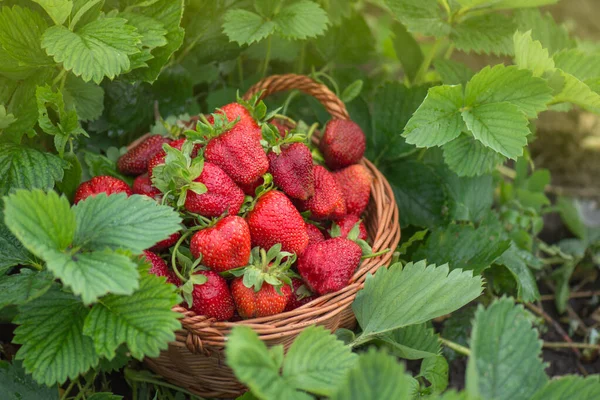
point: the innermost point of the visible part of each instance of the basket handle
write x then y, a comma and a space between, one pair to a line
278, 83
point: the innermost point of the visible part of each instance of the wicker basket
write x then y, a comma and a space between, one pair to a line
196, 360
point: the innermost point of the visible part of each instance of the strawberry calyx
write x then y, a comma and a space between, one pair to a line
173, 126
264, 188
257, 108
205, 130
302, 292
367, 250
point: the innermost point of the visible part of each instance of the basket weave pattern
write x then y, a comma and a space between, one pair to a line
196, 360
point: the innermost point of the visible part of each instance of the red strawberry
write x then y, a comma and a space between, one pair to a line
222, 194
355, 183
314, 234
328, 266
159, 157
342, 144
348, 222
235, 110
273, 220
135, 161
168, 242
101, 184
328, 202
250, 190
292, 171
160, 268
300, 295
143, 185
213, 298
223, 246
265, 302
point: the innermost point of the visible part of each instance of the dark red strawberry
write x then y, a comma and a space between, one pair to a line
101, 184
301, 295
159, 157
143, 185
347, 223
273, 220
355, 183
342, 144
223, 246
160, 268
262, 303
167, 243
327, 266
314, 234
250, 190
292, 171
222, 195
327, 202
135, 161
213, 297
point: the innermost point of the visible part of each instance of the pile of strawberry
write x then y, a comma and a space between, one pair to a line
267, 228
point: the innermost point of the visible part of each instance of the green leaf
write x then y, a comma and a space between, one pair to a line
510, 4
266, 8
301, 20
317, 361
133, 223
529, 54
23, 287
255, 366
544, 29
416, 237
153, 31
68, 186
576, 92
246, 27
58, 10
5, 118
472, 198
511, 85
104, 396
85, 11
376, 375
85, 97
17, 385
437, 120
571, 217
469, 157
95, 50
505, 358
485, 34
412, 342
12, 251
581, 65
143, 320
422, 16
526, 285
408, 50
452, 72
352, 91
50, 332
435, 370
98, 164
20, 32
499, 126
394, 297
457, 328
570, 387
463, 247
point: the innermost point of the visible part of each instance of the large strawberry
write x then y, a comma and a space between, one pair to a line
345, 225
314, 234
301, 295
355, 183
327, 266
222, 195
160, 268
292, 171
167, 243
342, 144
213, 297
223, 246
235, 110
327, 202
143, 185
274, 219
250, 189
101, 184
135, 161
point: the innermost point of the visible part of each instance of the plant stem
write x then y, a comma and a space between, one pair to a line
69, 388
427, 62
455, 346
506, 171
574, 295
174, 255
446, 7
59, 77
86, 387
539, 311
267, 58
566, 345
372, 255
449, 52
300, 67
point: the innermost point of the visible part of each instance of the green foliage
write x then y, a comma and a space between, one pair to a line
23, 287
570, 387
16, 385
412, 342
26, 168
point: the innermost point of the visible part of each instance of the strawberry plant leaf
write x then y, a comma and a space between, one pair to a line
26, 168
453, 72
23, 287
153, 31
543, 28
104, 396
72, 179
5, 118
246, 27
54, 347
396, 297
529, 54
422, 16
570, 387
412, 342
17, 385
469, 157
505, 360
485, 34
575, 91
134, 223
435, 370
84, 11
499, 126
463, 247
126, 319
407, 50
437, 120
526, 285
510, 4
95, 50
301, 20
85, 97
58, 10
376, 375
12, 251
316, 361
20, 33
471, 198
582, 66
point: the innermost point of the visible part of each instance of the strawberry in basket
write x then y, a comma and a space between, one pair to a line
135, 161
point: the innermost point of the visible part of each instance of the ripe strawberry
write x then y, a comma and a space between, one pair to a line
292, 171
222, 194
314, 234
342, 144
101, 184
213, 298
265, 302
327, 266
143, 185
355, 183
328, 202
235, 110
159, 157
348, 222
250, 189
135, 161
160, 268
300, 295
223, 246
168, 242
273, 220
